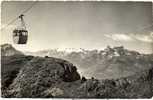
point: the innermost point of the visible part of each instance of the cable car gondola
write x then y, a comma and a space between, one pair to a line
20, 34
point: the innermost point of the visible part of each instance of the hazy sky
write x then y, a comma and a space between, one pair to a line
89, 25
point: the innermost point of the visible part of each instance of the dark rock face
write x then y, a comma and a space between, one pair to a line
70, 72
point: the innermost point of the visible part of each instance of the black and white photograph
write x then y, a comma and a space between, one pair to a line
77, 49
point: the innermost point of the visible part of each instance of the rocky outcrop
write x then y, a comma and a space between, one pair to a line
9, 50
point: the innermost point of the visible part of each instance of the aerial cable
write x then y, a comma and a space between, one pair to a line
25, 11
9, 23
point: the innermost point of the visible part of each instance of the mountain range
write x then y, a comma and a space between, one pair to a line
123, 74
112, 62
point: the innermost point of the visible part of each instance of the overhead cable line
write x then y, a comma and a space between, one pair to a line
25, 11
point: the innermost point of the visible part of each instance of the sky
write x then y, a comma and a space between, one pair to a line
88, 25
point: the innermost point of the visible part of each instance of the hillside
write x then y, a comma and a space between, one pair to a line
44, 77
50, 77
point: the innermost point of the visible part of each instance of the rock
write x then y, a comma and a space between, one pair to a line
83, 79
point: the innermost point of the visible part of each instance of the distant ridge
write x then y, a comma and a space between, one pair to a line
112, 62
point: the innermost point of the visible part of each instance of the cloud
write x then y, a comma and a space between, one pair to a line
148, 38
119, 37
144, 38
